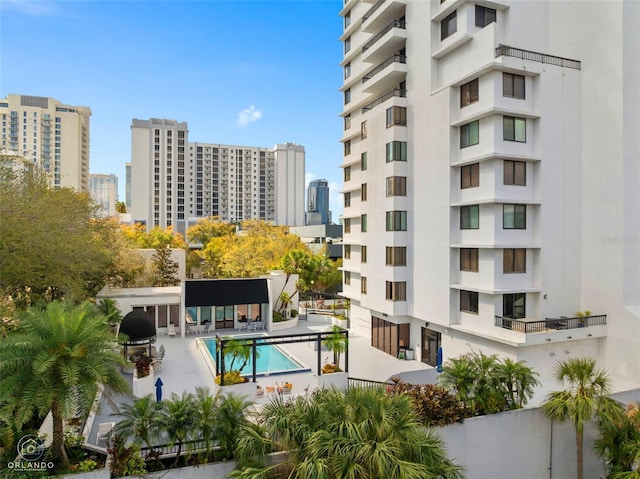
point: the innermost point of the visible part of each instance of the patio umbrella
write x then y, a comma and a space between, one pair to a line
439, 360
159, 384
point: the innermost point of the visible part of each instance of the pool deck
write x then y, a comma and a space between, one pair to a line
184, 368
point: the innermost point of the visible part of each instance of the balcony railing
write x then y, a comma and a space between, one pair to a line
507, 51
372, 10
383, 32
383, 65
383, 98
549, 323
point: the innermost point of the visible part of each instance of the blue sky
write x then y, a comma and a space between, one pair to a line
252, 73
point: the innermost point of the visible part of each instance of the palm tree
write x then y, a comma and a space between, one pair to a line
206, 408
54, 362
109, 309
177, 420
141, 421
584, 399
517, 382
230, 416
333, 434
619, 444
337, 343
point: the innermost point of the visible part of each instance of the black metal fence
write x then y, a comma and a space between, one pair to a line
550, 323
507, 51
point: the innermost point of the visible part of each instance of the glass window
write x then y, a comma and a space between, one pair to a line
515, 173
347, 70
347, 45
470, 217
397, 151
347, 19
470, 176
363, 192
396, 291
347, 173
396, 221
347, 225
347, 121
347, 198
470, 134
396, 256
396, 115
513, 86
347, 277
469, 301
347, 96
514, 217
363, 285
514, 260
469, 93
363, 130
363, 161
515, 129
363, 254
469, 259
484, 16
449, 25
397, 186
514, 306
347, 251
363, 223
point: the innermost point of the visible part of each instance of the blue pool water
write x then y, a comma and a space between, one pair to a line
271, 360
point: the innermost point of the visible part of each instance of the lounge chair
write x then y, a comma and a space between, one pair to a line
104, 430
171, 329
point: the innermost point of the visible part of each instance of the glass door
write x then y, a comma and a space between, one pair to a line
431, 341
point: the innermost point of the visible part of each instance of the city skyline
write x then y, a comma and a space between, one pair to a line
265, 74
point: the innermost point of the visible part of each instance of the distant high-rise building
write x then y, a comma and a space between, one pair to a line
49, 134
104, 191
318, 203
127, 186
175, 182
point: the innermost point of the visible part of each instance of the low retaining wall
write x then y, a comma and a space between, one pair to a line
282, 325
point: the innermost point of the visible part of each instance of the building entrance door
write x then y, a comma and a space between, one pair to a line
431, 341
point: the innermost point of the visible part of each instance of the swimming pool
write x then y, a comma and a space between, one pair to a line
271, 360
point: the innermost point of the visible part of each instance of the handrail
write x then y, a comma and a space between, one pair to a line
549, 323
383, 65
381, 33
507, 51
372, 9
383, 98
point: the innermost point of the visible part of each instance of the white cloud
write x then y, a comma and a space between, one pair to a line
249, 115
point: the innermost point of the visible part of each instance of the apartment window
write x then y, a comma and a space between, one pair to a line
347, 20
363, 254
397, 151
514, 129
363, 284
514, 260
469, 301
347, 70
514, 217
470, 134
347, 121
347, 277
396, 221
469, 217
515, 173
514, 306
469, 259
469, 93
396, 115
347, 45
396, 290
347, 225
396, 256
347, 173
449, 25
396, 186
363, 223
484, 16
347, 148
363, 192
347, 96
513, 86
363, 161
347, 199
347, 251
470, 176
363, 130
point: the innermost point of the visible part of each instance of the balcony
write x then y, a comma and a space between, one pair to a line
387, 74
386, 42
550, 324
381, 13
507, 51
381, 99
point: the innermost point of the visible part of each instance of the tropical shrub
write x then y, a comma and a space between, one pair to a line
143, 366
618, 443
232, 377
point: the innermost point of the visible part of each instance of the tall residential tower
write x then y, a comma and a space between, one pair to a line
318, 203
490, 179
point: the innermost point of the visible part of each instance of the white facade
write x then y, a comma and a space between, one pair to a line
175, 182
51, 135
491, 156
104, 191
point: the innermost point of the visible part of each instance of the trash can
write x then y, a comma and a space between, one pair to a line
409, 356
402, 353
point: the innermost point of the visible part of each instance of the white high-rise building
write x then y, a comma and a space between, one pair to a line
51, 135
491, 179
104, 191
175, 182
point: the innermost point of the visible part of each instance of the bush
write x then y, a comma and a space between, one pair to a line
330, 368
143, 366
435, 405
294, 313
278, 317
87, 465
232, 377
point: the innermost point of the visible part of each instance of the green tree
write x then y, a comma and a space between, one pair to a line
336, 342
165, 270
50, 241
108, 307
54, 362
207, 228
231, 415
140, 421
618, 443
178, 420
206, 407
583, 399
333, 434
517, 382
121, 207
